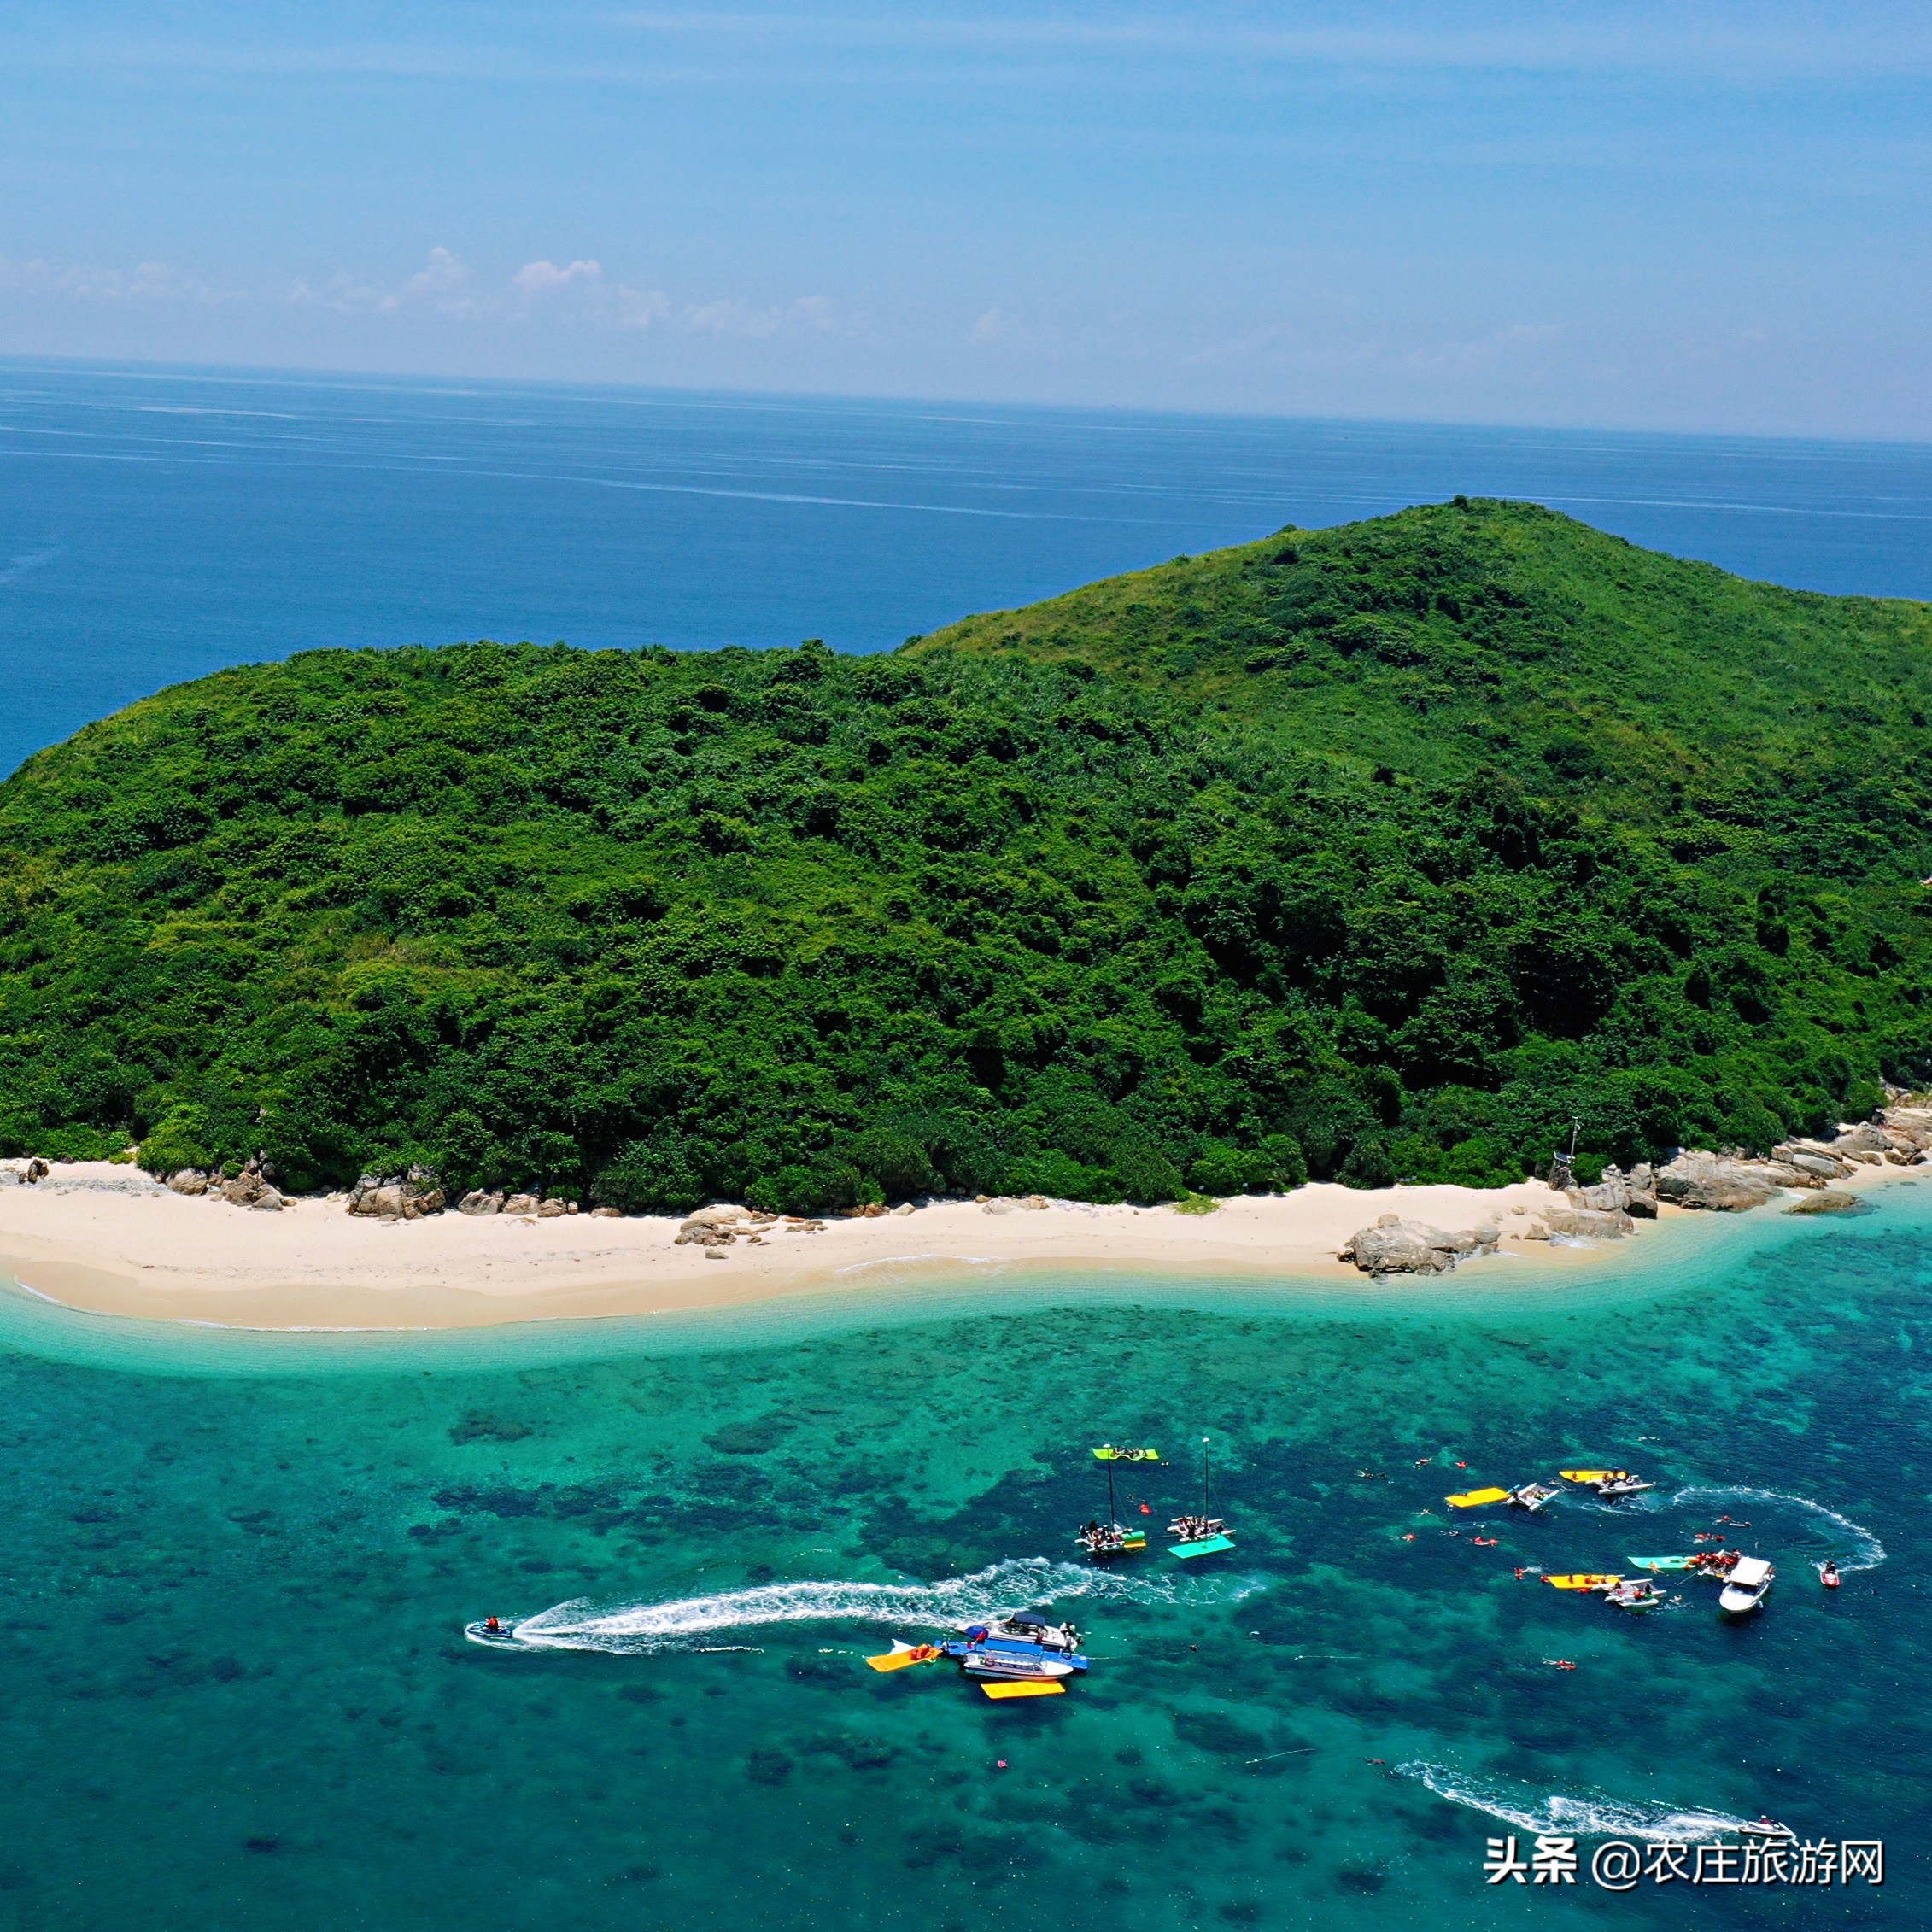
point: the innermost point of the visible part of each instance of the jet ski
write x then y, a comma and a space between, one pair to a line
1746, 1587
1017, 1646
493, 1630
1533, 1496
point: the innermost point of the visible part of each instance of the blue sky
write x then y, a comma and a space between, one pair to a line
1678, 215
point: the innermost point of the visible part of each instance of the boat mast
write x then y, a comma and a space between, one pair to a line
1113, 1514
1204, 1479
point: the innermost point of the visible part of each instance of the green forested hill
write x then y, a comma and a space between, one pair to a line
1385, 849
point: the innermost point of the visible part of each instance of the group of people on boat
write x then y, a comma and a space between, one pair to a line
1715, 1562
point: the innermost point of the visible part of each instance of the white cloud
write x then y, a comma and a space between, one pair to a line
540, 278
638, 308
152, 281
443, 284
733, 316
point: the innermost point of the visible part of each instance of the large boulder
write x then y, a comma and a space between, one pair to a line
1697, 1179
1617, 1193
1826, 1201
1642, 1202
188, 1180
1588, 1224
1610, 1196
1820, 1164
1395, 1246
476, 1202
398, 1196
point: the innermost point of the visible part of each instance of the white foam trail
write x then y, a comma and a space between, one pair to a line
643, 1629
1592, 1815
1867, 1552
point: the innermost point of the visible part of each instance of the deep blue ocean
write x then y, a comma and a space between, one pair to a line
158, 524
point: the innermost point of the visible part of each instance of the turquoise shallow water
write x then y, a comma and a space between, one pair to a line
239, 1567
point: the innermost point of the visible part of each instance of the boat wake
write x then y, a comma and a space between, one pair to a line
1850, 1544
647, 1629
1586, 1816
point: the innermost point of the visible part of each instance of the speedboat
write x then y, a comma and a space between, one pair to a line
1635, 1594
1745, 1588
1611, 1483
1017, 1646
1622, 1485
1533, 1496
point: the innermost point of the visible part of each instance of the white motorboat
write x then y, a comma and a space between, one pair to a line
1616, 1486
1746, 1587
1533, 1496
1634, 1593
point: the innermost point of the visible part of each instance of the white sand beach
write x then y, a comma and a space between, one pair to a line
98, 1237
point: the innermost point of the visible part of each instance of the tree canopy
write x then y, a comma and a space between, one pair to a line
1370, 853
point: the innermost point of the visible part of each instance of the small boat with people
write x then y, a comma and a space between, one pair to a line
1532, 1496
492, 1630
1718, 1563
1011, 1654
1103, 1540
1203, 1535
1746, 1587
1634, 1593
1017, 1644
1607, 1483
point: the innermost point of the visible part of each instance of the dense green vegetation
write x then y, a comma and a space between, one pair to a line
1366, 853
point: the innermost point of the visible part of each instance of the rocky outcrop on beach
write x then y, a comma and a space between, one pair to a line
257, 1186
1586, 1224
714, 1229
1900, 1135
1618, 1193
477, 1201
1396, 1246
1722, 1184
1010, 1203
403, 1197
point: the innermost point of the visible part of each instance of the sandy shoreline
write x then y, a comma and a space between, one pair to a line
85, 1239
